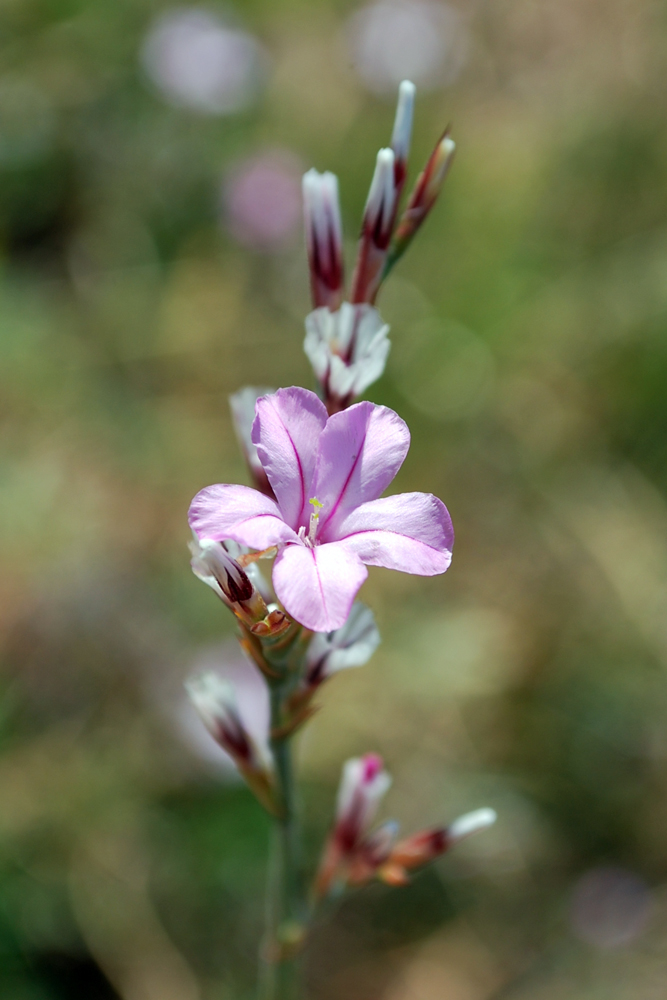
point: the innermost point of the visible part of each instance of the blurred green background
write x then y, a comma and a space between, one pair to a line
151, 262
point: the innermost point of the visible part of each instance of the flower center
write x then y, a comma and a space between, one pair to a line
314, 521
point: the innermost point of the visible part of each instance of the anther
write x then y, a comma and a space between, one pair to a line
314, 519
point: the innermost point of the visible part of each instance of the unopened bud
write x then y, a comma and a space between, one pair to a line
402, 133
363, 785
242, 405
324, 238
215, 700
426, 191
212, 564
425, 846
376, 229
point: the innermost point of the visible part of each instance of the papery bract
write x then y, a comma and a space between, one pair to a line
342, 464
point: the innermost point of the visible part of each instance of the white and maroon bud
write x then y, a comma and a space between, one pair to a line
214, 566
376, 229
350, 855
242, 405
324, 238
349, 646
215, 701
348, 350
423, 847
240, 555
402, 133
421, 201
363, 786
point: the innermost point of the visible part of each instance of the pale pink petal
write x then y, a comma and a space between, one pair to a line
361, 450
317, 586
286, 433
411, 532
248, 517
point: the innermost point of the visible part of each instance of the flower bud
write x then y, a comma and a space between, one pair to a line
363, 785
376, 229
402, 133
425, 846
213, 565
348, 853
324, 238
425, 193
242, 405
349, 646
215, 700
348, 350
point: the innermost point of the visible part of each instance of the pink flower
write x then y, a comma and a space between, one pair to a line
328, 520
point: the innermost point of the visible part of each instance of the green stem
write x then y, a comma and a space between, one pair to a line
286, 902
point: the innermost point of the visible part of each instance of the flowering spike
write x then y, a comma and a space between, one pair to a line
376, 229
324, 238
242, 405
425, 193
402, 133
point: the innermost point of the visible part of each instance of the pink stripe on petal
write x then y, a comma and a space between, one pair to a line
318, 586
286, 432
361, 450
238, 512
411, 532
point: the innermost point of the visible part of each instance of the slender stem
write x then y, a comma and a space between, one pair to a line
286, 906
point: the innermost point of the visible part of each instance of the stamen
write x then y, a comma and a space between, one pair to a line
314, 519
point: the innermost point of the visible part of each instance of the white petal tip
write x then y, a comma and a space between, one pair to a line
407, 88
471, 822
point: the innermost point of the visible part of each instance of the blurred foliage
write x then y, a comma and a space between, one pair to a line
529, 328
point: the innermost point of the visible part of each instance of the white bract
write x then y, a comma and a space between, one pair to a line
348, 348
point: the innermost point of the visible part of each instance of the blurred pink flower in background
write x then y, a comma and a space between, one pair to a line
261, 200
610, 907
422, 40
198, 61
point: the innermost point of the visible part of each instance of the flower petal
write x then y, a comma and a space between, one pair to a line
361, 450
237, 512
317, 586
286, 433
411, 532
